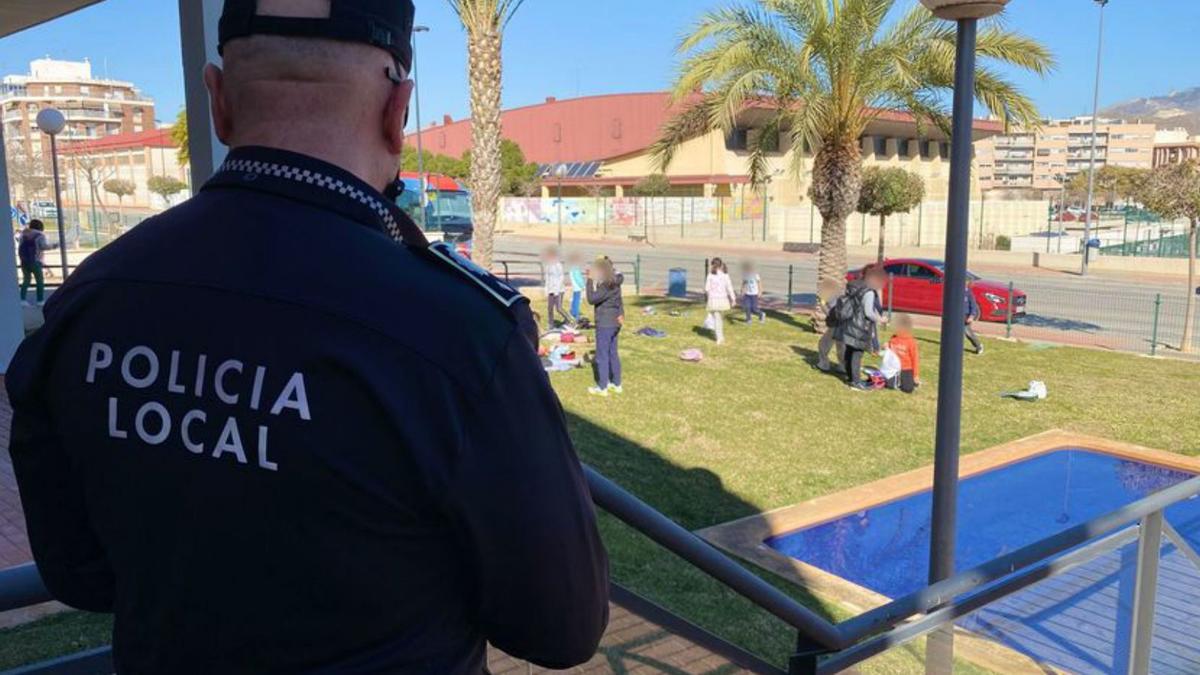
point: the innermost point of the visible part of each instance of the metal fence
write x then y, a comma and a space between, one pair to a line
1137, 318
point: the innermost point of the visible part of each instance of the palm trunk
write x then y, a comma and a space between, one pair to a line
882, 224
837, 182
484, 69
1189, 312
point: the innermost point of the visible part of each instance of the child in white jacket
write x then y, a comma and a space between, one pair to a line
721, 298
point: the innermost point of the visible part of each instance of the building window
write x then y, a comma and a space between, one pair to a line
926, 150
615, 128
880, 145
739, 139
58, 88
944, 150
1043, 153
85, 90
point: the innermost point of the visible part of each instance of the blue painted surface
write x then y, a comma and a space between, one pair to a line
1078, 621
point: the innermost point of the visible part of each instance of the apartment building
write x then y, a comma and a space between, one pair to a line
1175, 146
95, 108
1036, 161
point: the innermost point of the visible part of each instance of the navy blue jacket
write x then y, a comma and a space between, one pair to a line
270, 438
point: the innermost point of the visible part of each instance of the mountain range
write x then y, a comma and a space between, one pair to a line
1177, 109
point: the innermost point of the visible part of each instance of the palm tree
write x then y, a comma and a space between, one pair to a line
484, 22
821, 71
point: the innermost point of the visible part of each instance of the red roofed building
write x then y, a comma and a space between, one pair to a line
134, 157
603, 142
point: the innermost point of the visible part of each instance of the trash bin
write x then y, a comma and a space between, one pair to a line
677, 282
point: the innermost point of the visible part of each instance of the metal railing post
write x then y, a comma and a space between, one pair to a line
637, 275
1009, 317
1154, 329
1142, 631
791, 276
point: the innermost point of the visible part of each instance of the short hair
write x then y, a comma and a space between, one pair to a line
38, 225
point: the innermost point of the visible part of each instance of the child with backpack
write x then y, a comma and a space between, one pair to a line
31, 253
904, 346
857, 318
752, 293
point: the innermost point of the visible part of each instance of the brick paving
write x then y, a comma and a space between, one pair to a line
14, 545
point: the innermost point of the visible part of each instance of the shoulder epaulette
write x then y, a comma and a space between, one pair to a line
497, 289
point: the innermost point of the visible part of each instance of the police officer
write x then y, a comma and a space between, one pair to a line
248, 431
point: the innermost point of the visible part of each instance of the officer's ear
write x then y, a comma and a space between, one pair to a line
214, 80
395, 116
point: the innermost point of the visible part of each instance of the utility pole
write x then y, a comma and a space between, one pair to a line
1087, 215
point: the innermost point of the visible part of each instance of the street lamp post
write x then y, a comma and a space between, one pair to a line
52, 123
939, 652
560, 172
417, 103
1087, 215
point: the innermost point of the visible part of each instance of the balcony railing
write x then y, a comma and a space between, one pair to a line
826, 647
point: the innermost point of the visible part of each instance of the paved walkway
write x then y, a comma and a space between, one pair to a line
640, 638
14, 545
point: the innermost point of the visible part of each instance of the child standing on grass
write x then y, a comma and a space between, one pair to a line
828, 294
721, 297
904, 346
555, 281
604, 294
575, 273
752, 293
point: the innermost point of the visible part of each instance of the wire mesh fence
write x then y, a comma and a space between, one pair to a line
1143, 319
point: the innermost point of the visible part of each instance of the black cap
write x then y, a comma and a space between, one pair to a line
386, 24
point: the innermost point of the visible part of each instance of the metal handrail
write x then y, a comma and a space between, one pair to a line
842, 645
702, 555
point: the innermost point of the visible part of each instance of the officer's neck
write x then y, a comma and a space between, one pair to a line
348, 156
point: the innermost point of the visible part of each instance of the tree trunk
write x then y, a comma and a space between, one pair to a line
484, 70
882, 224
836, 184
1189, 312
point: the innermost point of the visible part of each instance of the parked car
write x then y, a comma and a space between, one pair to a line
917, 285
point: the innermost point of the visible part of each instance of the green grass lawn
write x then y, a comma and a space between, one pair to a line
756, 427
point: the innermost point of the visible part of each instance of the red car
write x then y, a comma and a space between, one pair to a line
917, 284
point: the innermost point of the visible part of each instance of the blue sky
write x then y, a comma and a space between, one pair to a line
565, 48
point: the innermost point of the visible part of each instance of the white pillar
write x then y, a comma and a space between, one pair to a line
12, 319
198, 34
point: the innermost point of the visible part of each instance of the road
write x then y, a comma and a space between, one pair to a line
1112, 312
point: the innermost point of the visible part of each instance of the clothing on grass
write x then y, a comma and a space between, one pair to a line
608, 357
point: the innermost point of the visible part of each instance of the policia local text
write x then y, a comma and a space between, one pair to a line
230, 381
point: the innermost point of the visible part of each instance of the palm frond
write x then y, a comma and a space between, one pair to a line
695, 119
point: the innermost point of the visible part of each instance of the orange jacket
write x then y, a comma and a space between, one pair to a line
905, 347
